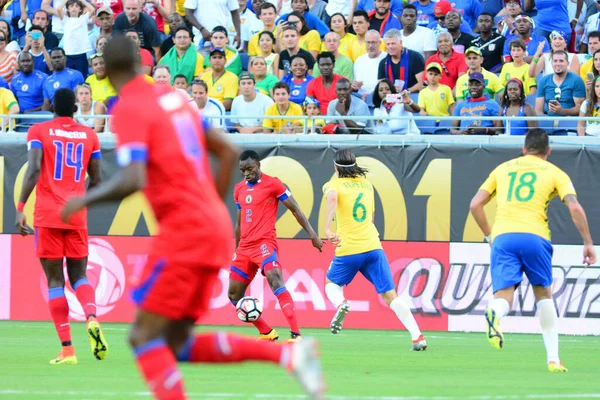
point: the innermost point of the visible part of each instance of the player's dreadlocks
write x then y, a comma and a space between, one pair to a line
345, 161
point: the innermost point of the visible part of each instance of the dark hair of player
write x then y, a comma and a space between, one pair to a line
180, 76
121, 55
249, 154
487, 14
345, 161
64, 103
281, 85
594, 34
361, 13
518, 43
326, 54
537, 142
409, 6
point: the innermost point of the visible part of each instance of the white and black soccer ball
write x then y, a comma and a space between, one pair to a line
249, 309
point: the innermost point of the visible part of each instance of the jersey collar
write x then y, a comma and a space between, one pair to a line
253, 184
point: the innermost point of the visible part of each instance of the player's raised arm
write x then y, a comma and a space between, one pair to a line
292, 205
482, 197
32, 174
226, 155
580, 221
330, 209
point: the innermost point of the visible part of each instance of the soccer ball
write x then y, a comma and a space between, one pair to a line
249, 309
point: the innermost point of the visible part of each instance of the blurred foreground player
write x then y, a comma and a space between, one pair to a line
351, 200
163, 148
59, 154
257, 198
520, 237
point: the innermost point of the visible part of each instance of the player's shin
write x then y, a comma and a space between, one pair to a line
286, 303
86, 296
549, 323
500, 307
334, 293
222, 347
59, 310
406, 317
158, 366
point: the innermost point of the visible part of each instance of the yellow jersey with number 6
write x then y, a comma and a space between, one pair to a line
354, 215
523, 188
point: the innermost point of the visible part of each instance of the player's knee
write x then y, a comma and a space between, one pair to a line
389, 296
275, 278
139, 336
235, 293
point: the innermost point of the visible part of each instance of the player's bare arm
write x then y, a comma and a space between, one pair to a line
227, 156
94, 172
126, 182
330, 209
292, 205
32, 174
580, 221
481, 198
238, 229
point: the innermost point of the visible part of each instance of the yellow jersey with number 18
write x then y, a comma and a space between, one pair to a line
523, 188
354, 215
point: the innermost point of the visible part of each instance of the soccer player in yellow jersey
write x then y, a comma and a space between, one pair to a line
351, 199
520, 236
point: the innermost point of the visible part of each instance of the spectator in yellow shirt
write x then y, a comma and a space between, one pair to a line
222, 84
436, 98
474, 59
310, 40
283, 107
518, 68
99, 84
10, 106
338, 24
267, 14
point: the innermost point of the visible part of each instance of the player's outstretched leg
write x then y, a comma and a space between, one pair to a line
59, 310
286, 303
549, 323
497, 309
86, 296
236, 291
335, 294
406, 317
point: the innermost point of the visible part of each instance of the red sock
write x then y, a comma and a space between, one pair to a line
159, 368
287, 306
222, 347
262, 325
86, 296
59, 310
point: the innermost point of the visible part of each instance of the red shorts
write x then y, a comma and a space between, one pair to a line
56, 243
247, 261
175, 290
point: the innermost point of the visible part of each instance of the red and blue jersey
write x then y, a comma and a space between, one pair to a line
67, 148
157, 126
258, 203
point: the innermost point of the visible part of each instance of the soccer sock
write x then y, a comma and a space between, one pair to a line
287, 306
549, 323
222, 347
86, 296
158, 366
59, 310
500, 307
406, 317
260, 324
334, 293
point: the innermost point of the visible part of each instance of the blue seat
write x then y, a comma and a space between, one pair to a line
245, 60
425, 126
530, 99
414, 97
565, 126
369, 100
442, 127
23, 124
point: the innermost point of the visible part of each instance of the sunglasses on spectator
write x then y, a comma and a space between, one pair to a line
445, 70
2, 39
93, 56
443, 17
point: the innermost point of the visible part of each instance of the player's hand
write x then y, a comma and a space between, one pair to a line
317, 242
73, 205
589, 255
333, 238
21, 224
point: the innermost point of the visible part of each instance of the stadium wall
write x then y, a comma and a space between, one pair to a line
423, 194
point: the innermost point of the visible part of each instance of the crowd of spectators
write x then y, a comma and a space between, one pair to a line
269, 63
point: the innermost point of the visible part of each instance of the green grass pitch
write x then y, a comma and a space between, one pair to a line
359, 364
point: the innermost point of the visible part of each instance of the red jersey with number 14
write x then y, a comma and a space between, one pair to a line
157, 126
258, 203
67, 149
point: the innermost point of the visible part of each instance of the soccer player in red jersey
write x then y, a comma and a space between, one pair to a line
59, 154
163, 148
257, 198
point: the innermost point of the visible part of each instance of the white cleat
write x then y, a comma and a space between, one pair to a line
338, 318
306, 366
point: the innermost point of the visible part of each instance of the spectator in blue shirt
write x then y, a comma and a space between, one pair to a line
524, 25
27, 85
469, 9
477, 105
425, 14
369, 5
3, 83
298, 80
382, 19
562, 92
552, 15
312, 21
62, 77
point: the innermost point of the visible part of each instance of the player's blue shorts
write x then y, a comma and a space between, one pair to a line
373, 265
516, 253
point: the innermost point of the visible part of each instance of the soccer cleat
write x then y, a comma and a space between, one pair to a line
97, 341
66, 356
294, 337
419, 345
306, 366
269, 337
554, 367
338, 318
494, 334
